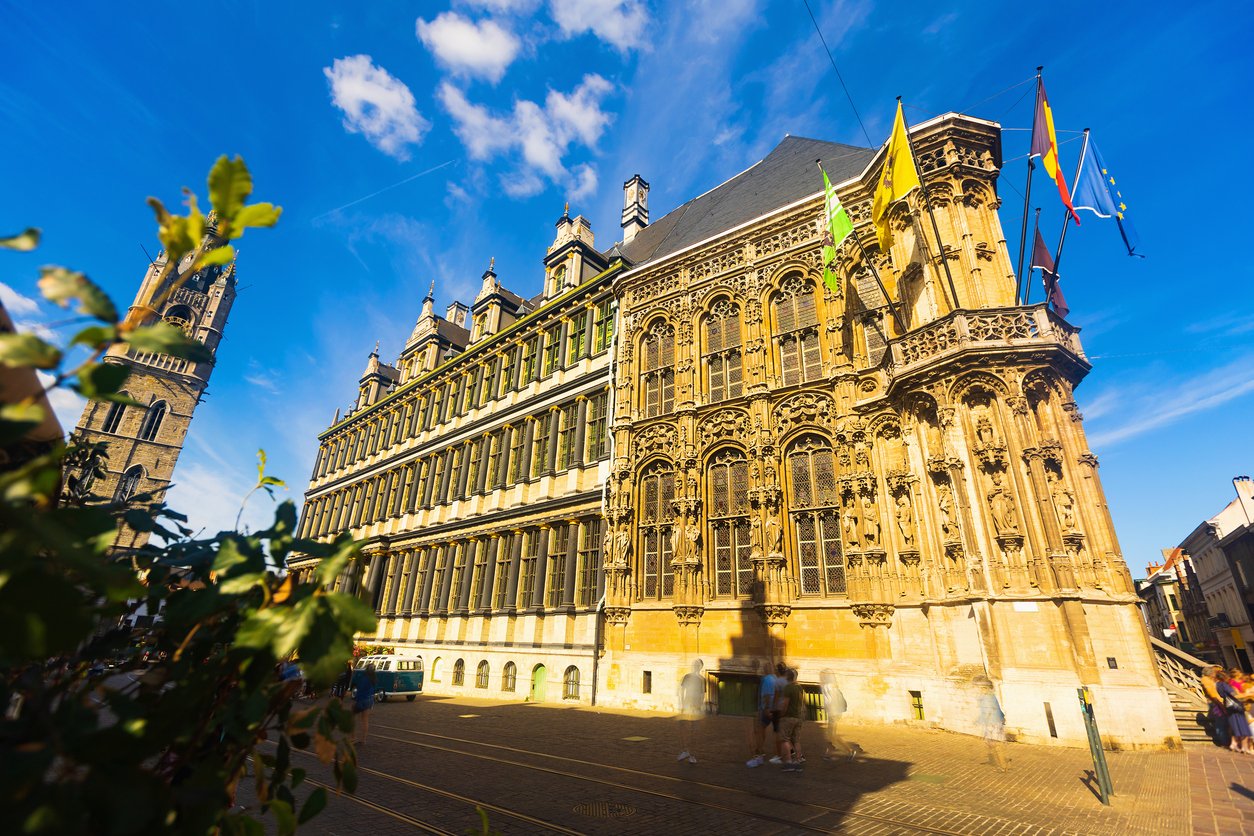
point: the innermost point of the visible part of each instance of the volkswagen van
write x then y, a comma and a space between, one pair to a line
397, 676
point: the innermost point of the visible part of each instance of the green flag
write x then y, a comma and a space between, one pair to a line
838, 228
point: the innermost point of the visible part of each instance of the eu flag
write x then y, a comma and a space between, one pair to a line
1096, 191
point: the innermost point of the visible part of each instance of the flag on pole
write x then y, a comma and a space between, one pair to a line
1045, 146
1096, 191
897, 179
1043, 260
837, 228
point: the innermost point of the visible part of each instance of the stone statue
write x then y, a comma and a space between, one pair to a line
946, 503
984, 431
1064, 501
678, 541
1002, 507
774, 534
623, 550
692, 548
861, 456
870, 523
755, 531
905, 520
849, 520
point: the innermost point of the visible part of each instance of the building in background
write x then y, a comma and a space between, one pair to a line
1174, 607
473, 471
1222, 549
144, 442
789, 470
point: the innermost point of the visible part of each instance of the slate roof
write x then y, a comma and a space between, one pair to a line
784, 176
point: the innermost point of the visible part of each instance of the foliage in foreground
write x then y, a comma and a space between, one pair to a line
159, 748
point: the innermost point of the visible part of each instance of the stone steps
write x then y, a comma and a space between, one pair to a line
1186, 711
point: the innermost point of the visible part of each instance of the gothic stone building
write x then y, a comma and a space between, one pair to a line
792, 472
144, 442
473, 470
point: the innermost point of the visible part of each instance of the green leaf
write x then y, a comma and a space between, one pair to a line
96, 336
284, 818
314, 804
164, 338
16, 420
261, 465
22, 242
18, 350
256, 215
242, 583
218, 255
100, 380
230, 184
63, 286
173, 230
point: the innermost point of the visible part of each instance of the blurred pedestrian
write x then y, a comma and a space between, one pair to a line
340, 688
791, 703
1230, 692
992, 722
691, 710
1216, 717
363, 700
765, 716
834, 707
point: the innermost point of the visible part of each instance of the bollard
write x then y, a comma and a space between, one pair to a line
1104, 788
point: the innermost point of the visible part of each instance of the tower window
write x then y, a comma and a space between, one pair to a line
114, 417
657, 375
152, 421
128, 484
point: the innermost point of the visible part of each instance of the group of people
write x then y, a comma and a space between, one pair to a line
1231, 693
781, 706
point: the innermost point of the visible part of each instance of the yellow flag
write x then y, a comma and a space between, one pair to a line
896, 180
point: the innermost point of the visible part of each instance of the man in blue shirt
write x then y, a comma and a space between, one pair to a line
766, 716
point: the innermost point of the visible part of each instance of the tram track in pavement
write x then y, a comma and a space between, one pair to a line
753, 797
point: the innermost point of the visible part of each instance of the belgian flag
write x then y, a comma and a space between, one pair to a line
1045, 146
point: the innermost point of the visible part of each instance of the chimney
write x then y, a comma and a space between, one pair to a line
456, 314
635, 207
1245, 495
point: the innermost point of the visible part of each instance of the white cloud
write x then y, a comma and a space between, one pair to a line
376, 105
465, 48
17, 304
504, 6
542, 136
261, 377
620, 23
210, 494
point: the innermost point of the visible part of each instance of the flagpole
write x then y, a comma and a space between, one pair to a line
1027, 197
928, 203
1027, 290
1066, 218
874, 272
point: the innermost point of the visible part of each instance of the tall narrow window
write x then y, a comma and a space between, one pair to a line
597, 427
472, 461
815, 515
481, 675
530, 361
559, 539
797, 332
128, 484
503, 558
728, 483
113, 418
497, 440
509, 677
570, 683
516, 453
481, 569
527, 571
589, 561
566, 435
722, 351
540, 456
657, 491
657, 373
489, 381
552, 349
507, 370
577, 342
152, 421
459, 672
603, 331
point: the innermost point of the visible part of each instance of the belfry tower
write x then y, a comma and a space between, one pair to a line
144, 442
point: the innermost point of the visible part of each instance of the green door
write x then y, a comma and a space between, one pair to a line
737, 695
539, 676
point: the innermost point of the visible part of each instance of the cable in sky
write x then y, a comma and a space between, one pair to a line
384, 189
857, 115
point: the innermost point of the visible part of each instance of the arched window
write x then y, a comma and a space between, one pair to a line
570, 684
152, 421
815, 511
128, 484
722, 351
113, 418
509, 677
728, 508
481, 675
657, 373
180, 316
459, 672
657, 491
797, 331
436, 669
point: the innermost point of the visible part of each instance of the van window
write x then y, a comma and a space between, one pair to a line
384, 666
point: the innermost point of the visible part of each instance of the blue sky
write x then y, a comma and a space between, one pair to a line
413, 142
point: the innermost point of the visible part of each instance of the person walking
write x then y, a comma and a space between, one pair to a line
1216, 717
791, 703
340, 688
992, 722
764, 717
1230, 691
691, 710
834, 707
363, 700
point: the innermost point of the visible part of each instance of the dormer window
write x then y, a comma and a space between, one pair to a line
557, 280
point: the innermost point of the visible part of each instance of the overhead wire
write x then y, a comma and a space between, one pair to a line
841, 78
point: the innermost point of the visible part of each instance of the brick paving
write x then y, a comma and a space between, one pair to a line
573, 767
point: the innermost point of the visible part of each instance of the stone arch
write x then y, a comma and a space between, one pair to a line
729, 423
964, 383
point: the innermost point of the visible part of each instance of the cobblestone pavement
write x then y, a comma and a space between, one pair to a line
547, 769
